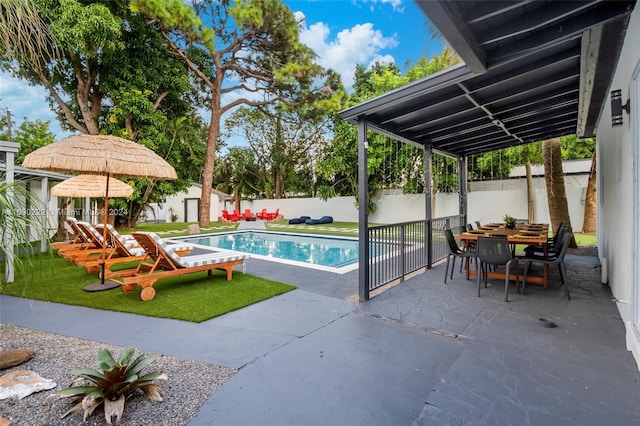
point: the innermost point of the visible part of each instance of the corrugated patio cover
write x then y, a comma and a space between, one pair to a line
100, 154
91, 186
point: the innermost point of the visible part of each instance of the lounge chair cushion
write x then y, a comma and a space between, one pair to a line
323, 219
134, 249
209, 259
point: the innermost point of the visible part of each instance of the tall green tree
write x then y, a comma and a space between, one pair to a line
391, 164
32, 135
248, 48
282, 142
83, 34
236, 173
116, 75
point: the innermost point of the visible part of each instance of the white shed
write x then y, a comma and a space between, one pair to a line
185, 206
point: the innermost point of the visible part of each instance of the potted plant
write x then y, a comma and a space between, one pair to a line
510, 221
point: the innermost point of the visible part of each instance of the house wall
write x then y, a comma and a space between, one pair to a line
618, 222
36, 211
489, 200
162, 212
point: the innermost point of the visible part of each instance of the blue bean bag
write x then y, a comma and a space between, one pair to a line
323, 219
297, 220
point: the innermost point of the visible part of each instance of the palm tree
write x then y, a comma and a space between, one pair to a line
23, 34
554, 179
589, 222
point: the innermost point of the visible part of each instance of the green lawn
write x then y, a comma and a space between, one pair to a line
177, 229
585, 240
195, 297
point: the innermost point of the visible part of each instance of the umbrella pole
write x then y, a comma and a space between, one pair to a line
102, 285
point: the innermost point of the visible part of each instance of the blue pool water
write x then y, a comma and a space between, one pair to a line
324, 251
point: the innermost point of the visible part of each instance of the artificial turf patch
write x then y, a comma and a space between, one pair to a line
194, 297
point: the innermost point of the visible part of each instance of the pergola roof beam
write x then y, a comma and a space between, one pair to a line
566, 29
538, 18
448, 22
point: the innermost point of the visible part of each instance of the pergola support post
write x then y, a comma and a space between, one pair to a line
462, 182
363, 214
428, 202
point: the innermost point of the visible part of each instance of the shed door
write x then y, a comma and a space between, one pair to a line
191, 209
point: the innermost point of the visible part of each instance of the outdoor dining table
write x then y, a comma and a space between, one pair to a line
527, 234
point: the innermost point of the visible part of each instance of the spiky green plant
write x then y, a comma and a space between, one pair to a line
16, 225
509, 219
111, 384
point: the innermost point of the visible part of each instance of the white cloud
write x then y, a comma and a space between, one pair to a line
23, 100
360, 44
397, 5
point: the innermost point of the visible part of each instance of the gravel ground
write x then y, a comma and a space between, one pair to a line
189, 385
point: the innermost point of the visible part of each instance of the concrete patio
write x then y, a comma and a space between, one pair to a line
422, 353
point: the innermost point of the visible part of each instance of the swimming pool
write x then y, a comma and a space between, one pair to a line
308, 250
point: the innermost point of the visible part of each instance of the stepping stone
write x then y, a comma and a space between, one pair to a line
10, 359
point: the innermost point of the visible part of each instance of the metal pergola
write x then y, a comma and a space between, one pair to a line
532, 70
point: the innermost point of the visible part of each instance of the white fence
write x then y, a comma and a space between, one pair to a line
489, 200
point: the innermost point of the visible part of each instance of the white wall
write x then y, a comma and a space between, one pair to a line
616, 148
496, 199
177, 201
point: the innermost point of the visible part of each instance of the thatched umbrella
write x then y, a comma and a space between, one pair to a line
91, 186
106, 155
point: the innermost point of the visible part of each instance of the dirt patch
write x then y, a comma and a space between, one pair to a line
584, 251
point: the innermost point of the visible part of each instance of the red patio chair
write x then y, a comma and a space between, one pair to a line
248, 215
230, 217
263, 215
273, 216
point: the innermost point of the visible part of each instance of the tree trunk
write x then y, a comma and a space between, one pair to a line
589, 223
89, 101
209, 160
237, 196
554, 179
531, 207
61, 233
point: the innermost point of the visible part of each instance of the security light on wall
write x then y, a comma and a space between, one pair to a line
617, 107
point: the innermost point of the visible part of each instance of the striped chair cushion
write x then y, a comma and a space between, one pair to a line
73, 224
94, 232
118, 235
196, 260
210, 259
135, 251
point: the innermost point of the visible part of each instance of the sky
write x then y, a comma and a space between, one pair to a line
343, 33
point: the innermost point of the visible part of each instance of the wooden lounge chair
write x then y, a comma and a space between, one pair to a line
162, 261
122, 248
79, 241
93, 246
